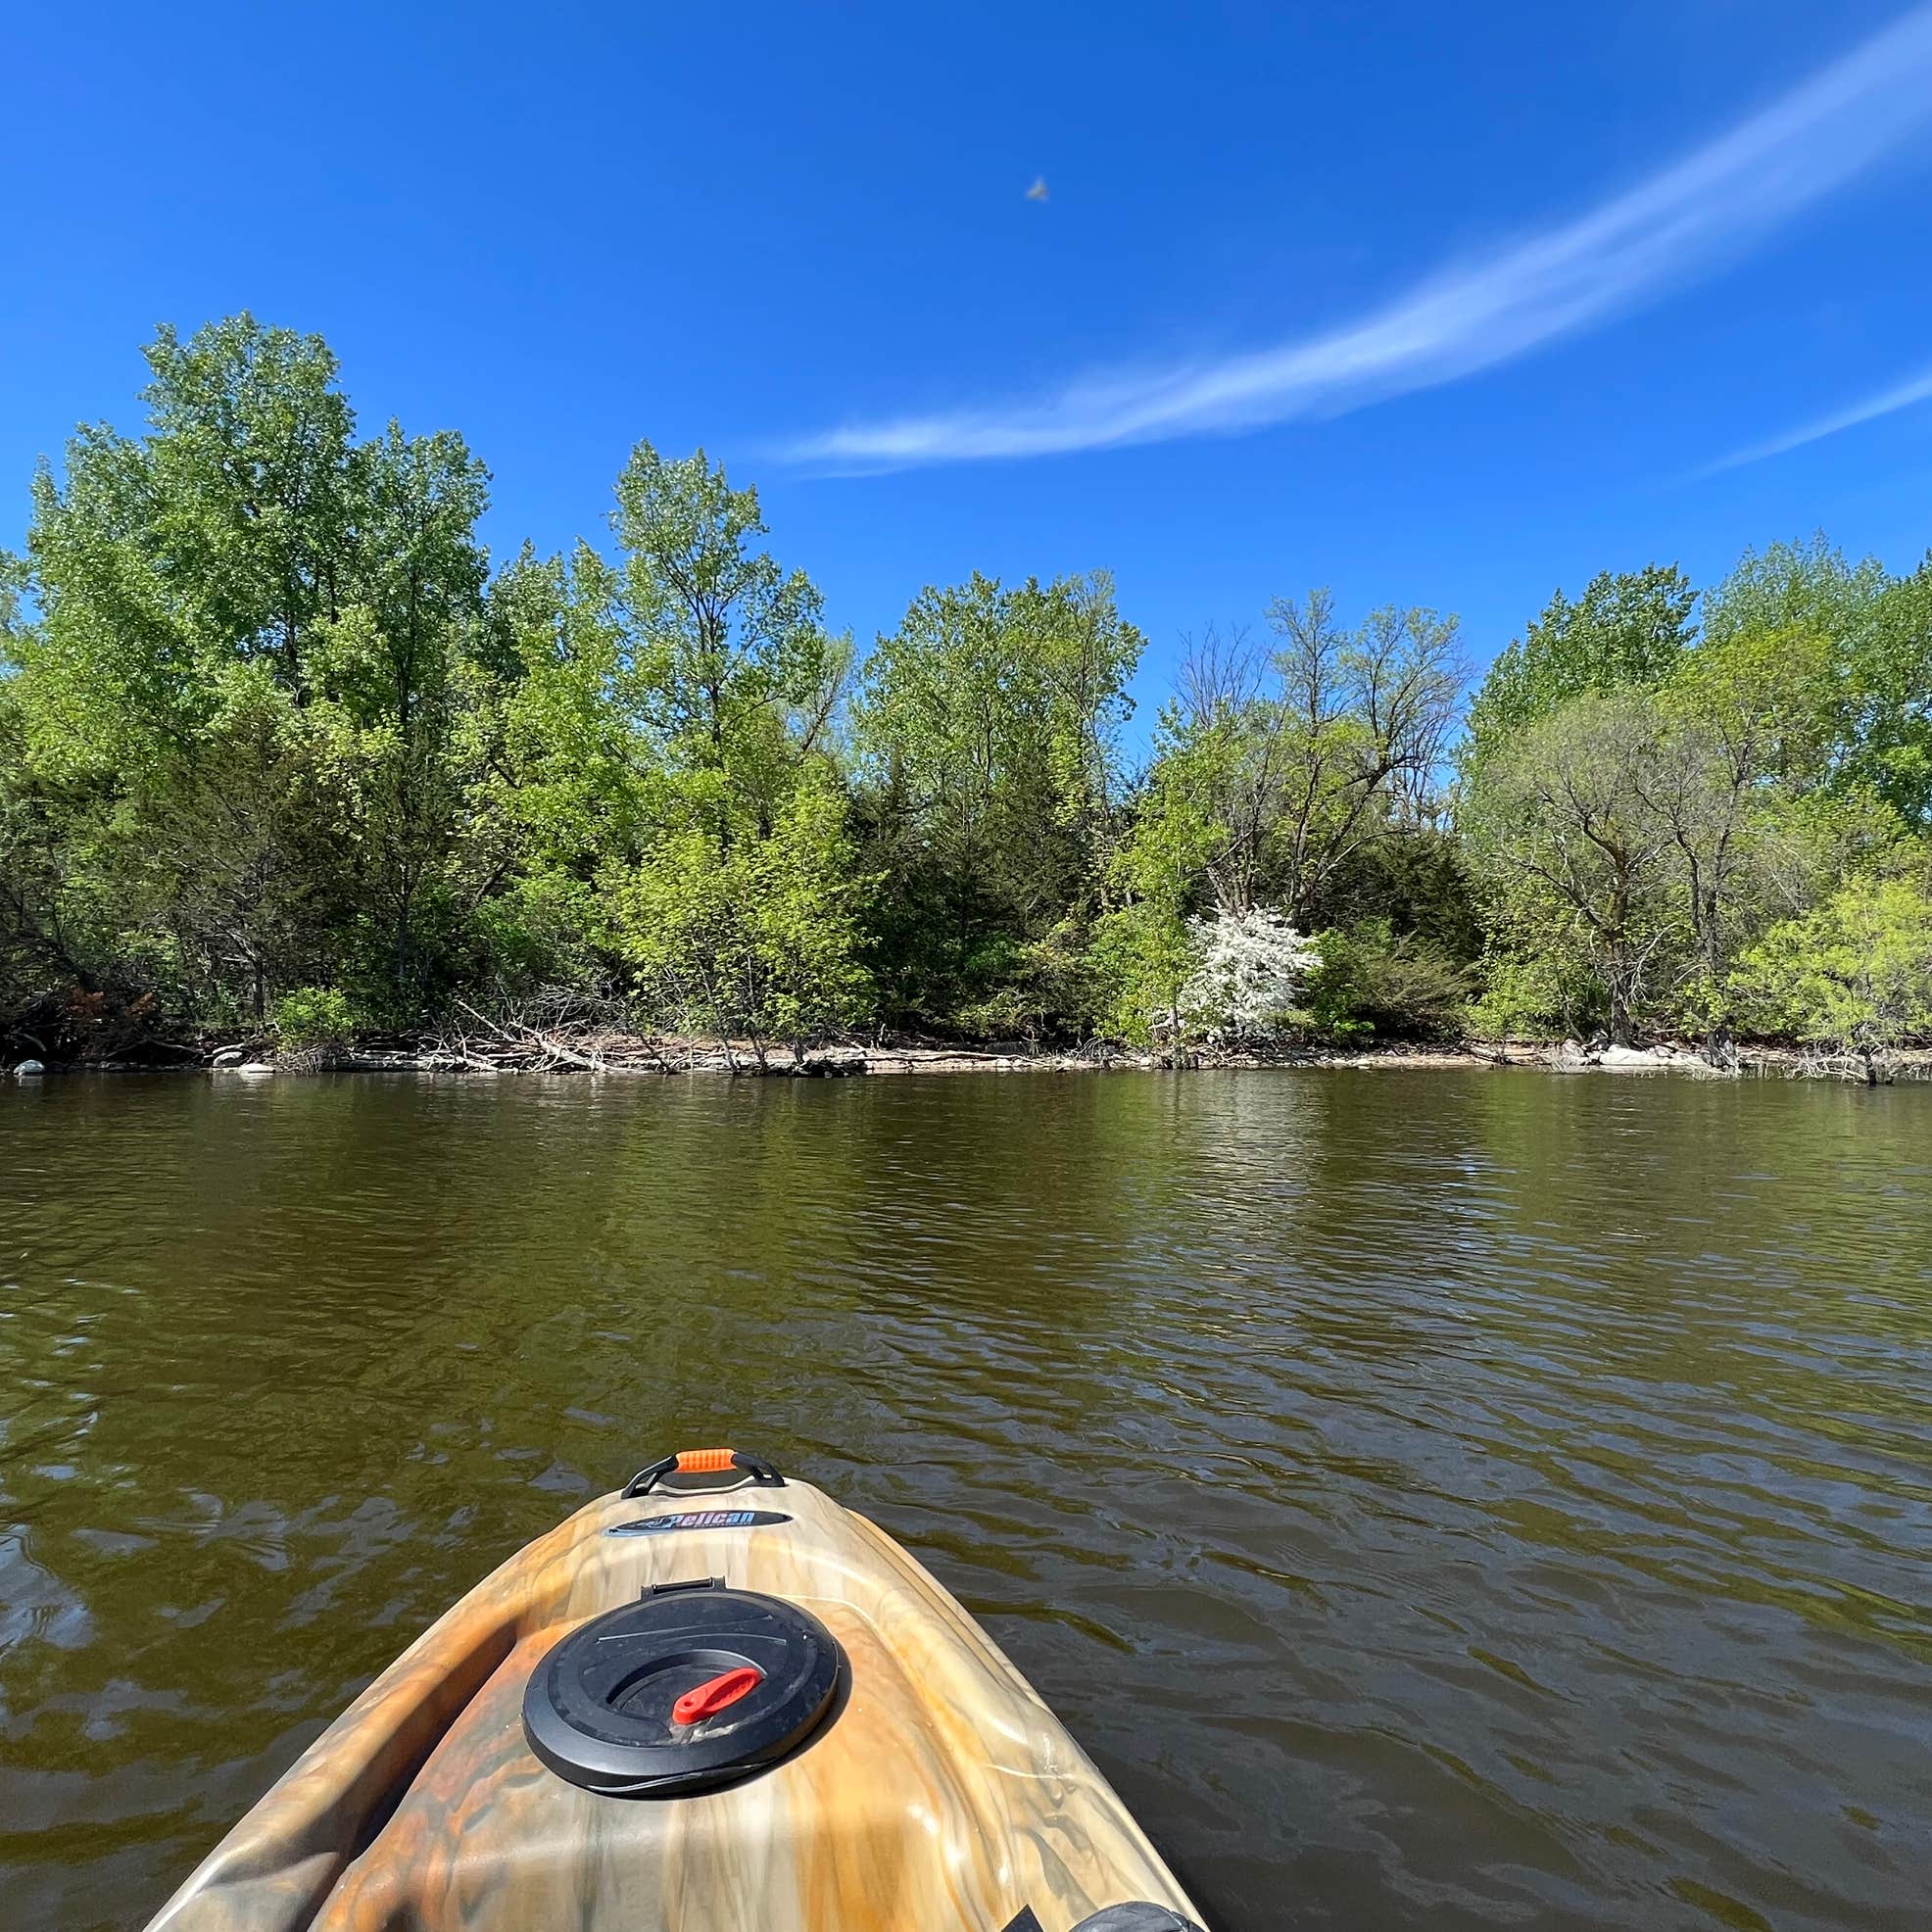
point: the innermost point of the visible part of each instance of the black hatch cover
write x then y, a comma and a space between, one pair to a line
689, 1687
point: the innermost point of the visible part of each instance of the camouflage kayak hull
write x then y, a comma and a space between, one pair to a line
715, 1702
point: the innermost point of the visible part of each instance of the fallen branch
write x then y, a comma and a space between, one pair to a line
552, 1052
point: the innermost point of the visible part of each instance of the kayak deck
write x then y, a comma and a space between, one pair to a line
940, 1793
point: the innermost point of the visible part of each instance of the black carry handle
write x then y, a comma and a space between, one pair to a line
704, 1462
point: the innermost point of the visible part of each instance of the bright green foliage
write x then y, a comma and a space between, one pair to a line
394, 674
987, 732
1143, 953
1142, 957
729, 666
1889, 677
1853, 976
571, 766
220, 539
1806, 587
1627, 631
1528, 995
1868, 638
688, 679
239, 683
756, 939
1630, 851
660, 770
311, 1019
57, 930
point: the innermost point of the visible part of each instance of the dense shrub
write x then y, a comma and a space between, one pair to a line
1376, 982
315, 1019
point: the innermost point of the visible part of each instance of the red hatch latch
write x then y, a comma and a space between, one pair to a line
709, 1698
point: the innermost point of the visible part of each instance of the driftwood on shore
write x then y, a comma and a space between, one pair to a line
481, 1045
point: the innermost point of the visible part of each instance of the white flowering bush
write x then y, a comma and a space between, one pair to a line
1249, 971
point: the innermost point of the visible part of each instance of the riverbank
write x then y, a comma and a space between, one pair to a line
626, 1054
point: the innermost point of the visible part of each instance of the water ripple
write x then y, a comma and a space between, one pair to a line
1440, 1500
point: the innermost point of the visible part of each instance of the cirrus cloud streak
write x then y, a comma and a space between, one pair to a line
1904, 396
1681, 224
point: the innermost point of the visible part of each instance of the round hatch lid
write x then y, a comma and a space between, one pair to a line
690, 1686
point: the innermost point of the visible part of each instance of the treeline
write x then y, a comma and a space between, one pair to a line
282, 750
1713, 815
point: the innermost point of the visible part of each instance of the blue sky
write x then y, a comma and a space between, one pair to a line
1435, 304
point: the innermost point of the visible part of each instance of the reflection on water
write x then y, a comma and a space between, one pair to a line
1437, 1499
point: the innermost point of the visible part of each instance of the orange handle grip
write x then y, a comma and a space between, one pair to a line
704, 1462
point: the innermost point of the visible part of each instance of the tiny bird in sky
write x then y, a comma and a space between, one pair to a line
1037, 192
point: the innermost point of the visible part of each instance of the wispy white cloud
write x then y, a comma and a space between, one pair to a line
1681, 224
1917, 390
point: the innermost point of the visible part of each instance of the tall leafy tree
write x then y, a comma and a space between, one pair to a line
664, 754
987, 734
395, 670
1625, 631
731, 666
1807, 588
1580, 870
247, 630
1889, 682
182, 579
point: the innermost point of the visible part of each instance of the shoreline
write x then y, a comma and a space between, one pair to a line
630, 1055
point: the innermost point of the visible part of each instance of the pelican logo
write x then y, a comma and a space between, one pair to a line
662, 1525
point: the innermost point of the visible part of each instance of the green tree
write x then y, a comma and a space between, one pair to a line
1580, 872
1625, 631
758, 941
1806, 587
573, 769
1739, 732
394, 676
1872, 711
659, 768
249, 633
1144, 950
1633, 848
986, 729
730, 667
182, 579
1303, 753
218, 537
1853, 977
1889, 680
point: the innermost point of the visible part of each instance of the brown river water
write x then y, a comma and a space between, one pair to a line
1437, 1499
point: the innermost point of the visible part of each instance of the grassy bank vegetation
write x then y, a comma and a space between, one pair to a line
282, 749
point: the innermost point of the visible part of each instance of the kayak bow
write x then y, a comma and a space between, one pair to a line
713, 1702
